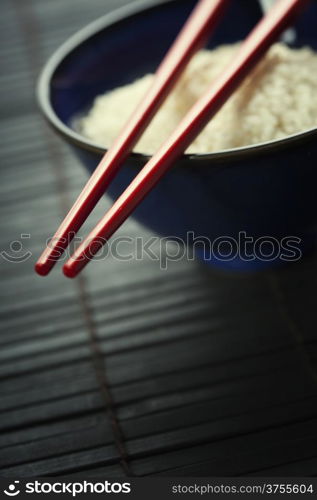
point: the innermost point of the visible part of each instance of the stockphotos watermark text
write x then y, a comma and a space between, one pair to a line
170, 249
71, 488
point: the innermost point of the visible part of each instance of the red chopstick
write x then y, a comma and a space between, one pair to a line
192, 37
259, 40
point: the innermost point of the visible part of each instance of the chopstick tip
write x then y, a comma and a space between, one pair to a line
69, 271
41, 269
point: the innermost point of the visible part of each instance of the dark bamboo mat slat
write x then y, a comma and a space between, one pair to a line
131, 369
237, 455
64, 408
57, 430
65, 463
44, 449
48, 377
58, 390
291, 469
239, 465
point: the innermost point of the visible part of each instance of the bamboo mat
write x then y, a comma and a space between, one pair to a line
131, 370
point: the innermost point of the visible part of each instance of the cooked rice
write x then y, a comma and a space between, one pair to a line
278, 99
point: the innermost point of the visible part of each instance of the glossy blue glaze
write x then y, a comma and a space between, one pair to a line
264, 191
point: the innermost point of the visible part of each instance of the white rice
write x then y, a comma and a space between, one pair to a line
278, 99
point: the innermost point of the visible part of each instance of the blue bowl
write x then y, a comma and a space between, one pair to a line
265, 192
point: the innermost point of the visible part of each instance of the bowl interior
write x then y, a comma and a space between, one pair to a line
132, 44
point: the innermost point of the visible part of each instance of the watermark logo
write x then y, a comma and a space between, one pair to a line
164, 250
12, 490
16, 252
69, 488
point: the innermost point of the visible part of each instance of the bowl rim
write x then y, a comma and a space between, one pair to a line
94, 27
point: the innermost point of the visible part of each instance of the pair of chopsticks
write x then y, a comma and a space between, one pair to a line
192, 37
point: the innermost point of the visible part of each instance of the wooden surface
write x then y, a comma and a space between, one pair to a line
130, 370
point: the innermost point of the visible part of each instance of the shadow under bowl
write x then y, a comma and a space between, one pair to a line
265, 192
